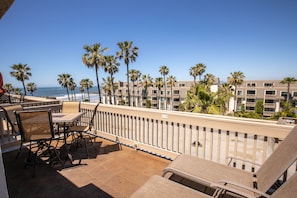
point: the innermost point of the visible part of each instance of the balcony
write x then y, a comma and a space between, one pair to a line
149, 138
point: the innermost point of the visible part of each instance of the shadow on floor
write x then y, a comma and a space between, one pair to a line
48, 182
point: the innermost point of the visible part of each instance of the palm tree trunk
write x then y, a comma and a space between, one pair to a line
113, 90
23, 82
133, 95
110, 101
98, 84
88, 93
171, 99
288, 92
128, 85
68, 93
235, 99
165, 101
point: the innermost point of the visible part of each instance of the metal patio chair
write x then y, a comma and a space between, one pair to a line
83, 130
36, 127
11, 122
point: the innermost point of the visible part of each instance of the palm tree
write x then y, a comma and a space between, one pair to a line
21, 72
164, 70
31, 87
224, 94
200, 99
200, 69
171, 80
134, 75
107, 87
159, 84
111, 66
209, 79
146, 82
288, 81
94, 58
64, 81
194, 73
8, 89
236, 79
17, 91
129, 54
72, 86
88, 84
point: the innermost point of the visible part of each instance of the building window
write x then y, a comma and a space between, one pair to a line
176, 99
251, 85
239, 92
154, 98
250, 92
269, 109
175, 91
154, 91
251, 100
270, 92
269, 101
121, 84
295, 94
284, 94
182, 85
250, 108
268, 84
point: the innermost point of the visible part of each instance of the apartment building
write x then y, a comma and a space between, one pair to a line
271, 92
174, 96
139, 97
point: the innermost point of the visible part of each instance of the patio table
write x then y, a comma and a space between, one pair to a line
63, 119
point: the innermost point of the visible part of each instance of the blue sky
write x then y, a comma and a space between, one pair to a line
257, 37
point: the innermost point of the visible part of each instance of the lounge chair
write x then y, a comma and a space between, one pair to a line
161, 187
207, 172
287, 190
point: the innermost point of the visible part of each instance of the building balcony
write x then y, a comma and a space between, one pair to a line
148, 139
269, 105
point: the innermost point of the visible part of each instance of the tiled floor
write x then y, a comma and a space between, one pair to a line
110, 172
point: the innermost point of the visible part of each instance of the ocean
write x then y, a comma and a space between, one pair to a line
60, 93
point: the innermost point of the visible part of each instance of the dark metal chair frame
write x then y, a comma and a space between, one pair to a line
39, 135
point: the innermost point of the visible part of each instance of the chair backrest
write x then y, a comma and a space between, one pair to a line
288, 189
70, 107
94, 114
10, 115
35, 125
278, 162
91, 122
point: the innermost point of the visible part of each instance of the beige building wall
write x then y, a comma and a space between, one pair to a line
272, 92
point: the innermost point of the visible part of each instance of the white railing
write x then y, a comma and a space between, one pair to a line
211, 137
168, 133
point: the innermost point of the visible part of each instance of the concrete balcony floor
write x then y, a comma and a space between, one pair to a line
110, 171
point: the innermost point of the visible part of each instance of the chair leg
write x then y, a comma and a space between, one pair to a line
86, 147
19, 151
